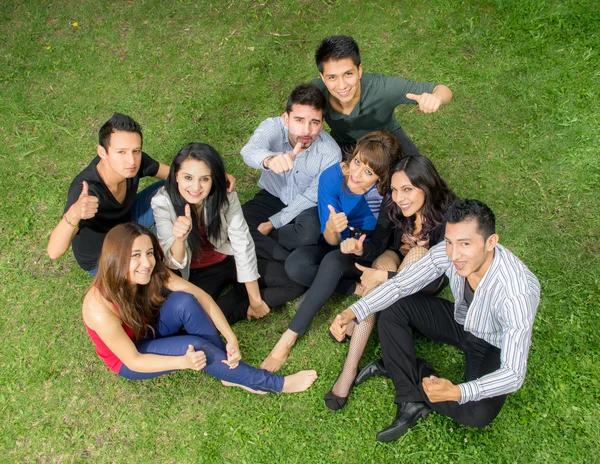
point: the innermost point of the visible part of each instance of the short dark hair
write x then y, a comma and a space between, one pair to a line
337, 47
466, 209
306, 94
118, 122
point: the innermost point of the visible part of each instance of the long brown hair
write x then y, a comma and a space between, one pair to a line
138, 305
380, 150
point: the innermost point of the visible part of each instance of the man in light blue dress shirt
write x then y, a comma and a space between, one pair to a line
291, 151
491, 320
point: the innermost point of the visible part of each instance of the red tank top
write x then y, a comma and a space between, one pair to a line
109, 358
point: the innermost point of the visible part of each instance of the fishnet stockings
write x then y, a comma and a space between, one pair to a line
388, 261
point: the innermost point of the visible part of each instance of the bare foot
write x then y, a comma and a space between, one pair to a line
299, 381
280, 351
256, 392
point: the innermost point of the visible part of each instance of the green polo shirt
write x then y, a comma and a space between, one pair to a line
379, 97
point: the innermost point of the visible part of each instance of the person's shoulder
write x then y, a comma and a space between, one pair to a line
333, 172
514, 274
319, 84
96, 308
161, 198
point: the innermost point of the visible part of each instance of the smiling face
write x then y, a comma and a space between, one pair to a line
409, 198
194, 181
470, 253
124, 155
304, 124
342, 79
142, 261
360, 176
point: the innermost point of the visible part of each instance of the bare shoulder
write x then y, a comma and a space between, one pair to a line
97, 309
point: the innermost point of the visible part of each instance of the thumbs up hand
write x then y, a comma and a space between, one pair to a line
86, 206
371, 278
428, 103
183, 225
193, 359
337, 222
353, 246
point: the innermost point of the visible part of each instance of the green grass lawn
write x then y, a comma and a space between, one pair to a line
521, 134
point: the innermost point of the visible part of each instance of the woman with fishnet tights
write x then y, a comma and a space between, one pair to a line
410, 222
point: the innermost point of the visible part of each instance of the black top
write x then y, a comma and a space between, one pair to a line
87, 243
469, 294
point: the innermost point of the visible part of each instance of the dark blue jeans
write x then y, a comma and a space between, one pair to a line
182, 311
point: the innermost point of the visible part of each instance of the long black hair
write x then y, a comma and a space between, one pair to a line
215, 202
438, 196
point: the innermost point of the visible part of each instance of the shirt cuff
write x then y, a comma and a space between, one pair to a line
469, 391
360, 310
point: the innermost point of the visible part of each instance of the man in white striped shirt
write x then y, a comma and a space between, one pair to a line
491, 320
292, 151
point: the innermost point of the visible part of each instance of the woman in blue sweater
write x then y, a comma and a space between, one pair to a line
350, 195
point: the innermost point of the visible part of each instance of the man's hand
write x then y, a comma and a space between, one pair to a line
438, 389
230, 182
86, 206
337, 222
183, 225
284, 162
265, 228
428, 103
339, 324
353, 246
371, 278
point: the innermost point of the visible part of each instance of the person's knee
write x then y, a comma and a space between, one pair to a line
295, 267
183, 301
481, 417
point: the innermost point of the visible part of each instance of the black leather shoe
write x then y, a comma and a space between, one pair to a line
407, 416
334, 402
371, 370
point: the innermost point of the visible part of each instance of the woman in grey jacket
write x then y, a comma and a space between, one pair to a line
202, 231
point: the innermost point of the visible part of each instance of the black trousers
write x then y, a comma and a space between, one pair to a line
325, 269
276, 288
408, 146
303, 230
434, 318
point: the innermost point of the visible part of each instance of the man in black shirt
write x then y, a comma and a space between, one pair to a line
105, 194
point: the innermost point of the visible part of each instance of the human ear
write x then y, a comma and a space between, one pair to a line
492, 241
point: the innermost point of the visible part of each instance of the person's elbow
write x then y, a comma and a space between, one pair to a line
54, 251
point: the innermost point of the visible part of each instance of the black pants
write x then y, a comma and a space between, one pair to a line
303, 230
276, 288
325, 269
434, 318
408, 146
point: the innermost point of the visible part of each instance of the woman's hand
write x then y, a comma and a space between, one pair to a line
193, 359
258, 310
371, 278
353, 246
233, 355
183, 225
337, 222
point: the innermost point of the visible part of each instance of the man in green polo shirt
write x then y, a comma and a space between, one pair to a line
359, 103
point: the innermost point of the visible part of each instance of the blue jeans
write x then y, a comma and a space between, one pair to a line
182, 311
142, 210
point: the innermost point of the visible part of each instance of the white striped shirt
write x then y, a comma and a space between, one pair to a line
297, 188
502, 311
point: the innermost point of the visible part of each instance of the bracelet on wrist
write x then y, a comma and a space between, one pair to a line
74, 226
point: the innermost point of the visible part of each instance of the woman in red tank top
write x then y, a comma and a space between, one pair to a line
135, 310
